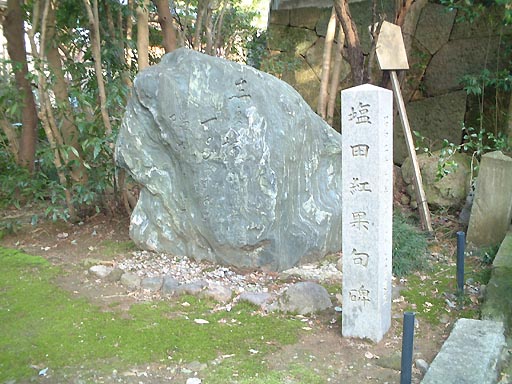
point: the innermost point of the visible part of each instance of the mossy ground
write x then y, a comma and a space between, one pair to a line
42, 326
433, 295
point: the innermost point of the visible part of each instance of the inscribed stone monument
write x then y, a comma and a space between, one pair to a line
235, 167
367, 193
492, 208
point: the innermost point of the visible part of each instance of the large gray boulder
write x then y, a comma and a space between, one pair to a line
235, 167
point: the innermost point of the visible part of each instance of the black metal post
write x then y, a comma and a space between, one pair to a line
407, 348
461, 245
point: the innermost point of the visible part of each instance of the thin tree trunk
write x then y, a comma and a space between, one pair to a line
45, 114
402, 10
354, 51
326, 66
209, 31
129, 31
202, 5
12, 139
217, 46
15, 35
143, 35
92, 14
166, 22
509, 121
60, 89
335, 80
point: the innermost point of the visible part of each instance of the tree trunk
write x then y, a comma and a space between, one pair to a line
143, 35
60, 89
92, 14
166, 22
354, 51
209, 31
326, 66
15, 36
335, 80
129, 31
12, 139
509, 121
217, 46
202, 5
45, 113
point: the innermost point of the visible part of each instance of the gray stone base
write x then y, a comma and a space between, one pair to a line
470, 355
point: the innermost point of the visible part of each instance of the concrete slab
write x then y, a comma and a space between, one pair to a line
470, 354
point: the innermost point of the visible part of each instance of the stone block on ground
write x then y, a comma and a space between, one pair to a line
498, 293
130, 280
218, 292
448, 192
152, 283
304, 298
491, 212
260, 299
235, 167
193, 288
170, 285
101, 271
469, 355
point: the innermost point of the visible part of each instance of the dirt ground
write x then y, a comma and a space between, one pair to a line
323, 350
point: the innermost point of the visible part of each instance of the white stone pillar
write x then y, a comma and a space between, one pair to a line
367, 213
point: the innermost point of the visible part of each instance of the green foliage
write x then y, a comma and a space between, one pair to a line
42, 325
476, 142
409, 247
488, 254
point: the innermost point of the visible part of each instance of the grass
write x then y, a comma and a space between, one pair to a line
427, 293
409, 247
41, 325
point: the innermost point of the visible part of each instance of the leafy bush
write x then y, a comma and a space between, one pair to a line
409, 247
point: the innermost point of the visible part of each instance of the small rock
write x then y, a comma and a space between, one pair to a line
115, 275
422, 365
339, 264
305, 297
152, 283
170, 285
193, 380
405, 200
259, 299
101, 271
192, 288
444, 319
218, 292
130, 280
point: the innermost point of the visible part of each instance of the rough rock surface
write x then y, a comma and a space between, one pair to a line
449, 191
434, 118
235, 167
304, 297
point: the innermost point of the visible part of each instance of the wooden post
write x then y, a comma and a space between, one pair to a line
418, 183
391, 55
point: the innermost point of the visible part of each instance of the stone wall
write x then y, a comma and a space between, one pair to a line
440, 51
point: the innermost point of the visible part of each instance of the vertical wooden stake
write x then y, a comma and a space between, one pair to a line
418, 184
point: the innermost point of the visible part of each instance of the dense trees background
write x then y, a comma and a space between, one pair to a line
62, 94
70, 68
